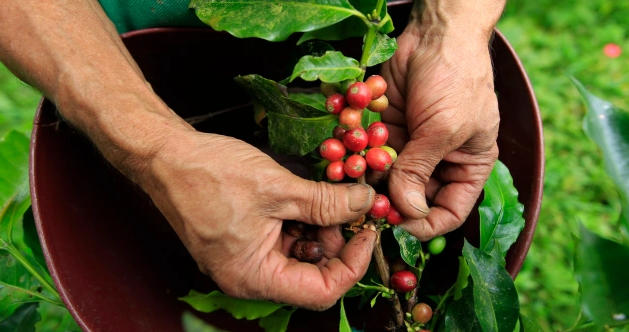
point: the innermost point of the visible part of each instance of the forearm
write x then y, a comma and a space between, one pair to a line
443, 18
70, 51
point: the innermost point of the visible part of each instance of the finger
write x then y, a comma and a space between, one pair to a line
432, 188
410, 174
332, 240
324, 204
453, 204
308, 286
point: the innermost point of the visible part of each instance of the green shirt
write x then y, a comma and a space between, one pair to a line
130, 15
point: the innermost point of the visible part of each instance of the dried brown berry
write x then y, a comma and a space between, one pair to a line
306, 250
294, 228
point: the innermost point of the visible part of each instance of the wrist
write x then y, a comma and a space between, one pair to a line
439, 19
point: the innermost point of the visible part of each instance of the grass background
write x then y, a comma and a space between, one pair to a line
553, 39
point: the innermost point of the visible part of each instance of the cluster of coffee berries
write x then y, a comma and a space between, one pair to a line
304, 249
352, 147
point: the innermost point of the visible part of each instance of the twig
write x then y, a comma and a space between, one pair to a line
412, 301
383, 272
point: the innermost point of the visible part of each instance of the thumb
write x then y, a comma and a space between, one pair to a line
325, 204
409, 176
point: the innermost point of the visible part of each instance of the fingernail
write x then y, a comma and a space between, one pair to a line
418, 201
359, 196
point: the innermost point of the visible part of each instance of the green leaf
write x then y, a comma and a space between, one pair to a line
332, 67
319, 168
272, 97
460, 315
529, 325
355, 291
22, 320
409, 245
239, 308
17, 284
370, 117
31, 238
344, 324
500, 212
315, 100
373, 300
193, 324
299, 136
271, 20
14, 191
277, 321
607, 126
462, 278
382, 50
495, 297
350, 27
496, 254
602, 272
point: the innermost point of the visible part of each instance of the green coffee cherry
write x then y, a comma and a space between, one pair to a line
436, 245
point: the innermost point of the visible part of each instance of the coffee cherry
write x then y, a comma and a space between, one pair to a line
379, 105
355, 166
378, 86
397, 265
421, 313
380, 207
391, 152
356, 139
306, 250
332, 149
403, 281
350, 118
294, 228
358, 95
394, 217
328, 89
344, 85
335, 171
436, 245
378, 134
378, 159
338, 133
335, 103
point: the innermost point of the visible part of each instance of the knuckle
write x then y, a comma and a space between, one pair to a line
322, 204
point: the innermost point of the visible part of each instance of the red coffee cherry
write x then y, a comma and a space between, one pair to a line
403, 281
378, 134
332, 149
378, 159
355, 166
328, 89
335, 103
378, 86
350, 118
306, 250
379, 105
421, 313
356, 139
394, 217
391, 152
380, 207
358, 95
335, 171
338, 133
294, 228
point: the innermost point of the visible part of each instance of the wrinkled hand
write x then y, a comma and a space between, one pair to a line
227, 199
443, 117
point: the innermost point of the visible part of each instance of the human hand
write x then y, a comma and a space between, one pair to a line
443, 117
227, 199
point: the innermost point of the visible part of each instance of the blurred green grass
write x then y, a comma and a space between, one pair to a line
553, 39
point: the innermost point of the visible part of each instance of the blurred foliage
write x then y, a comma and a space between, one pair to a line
553, 39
